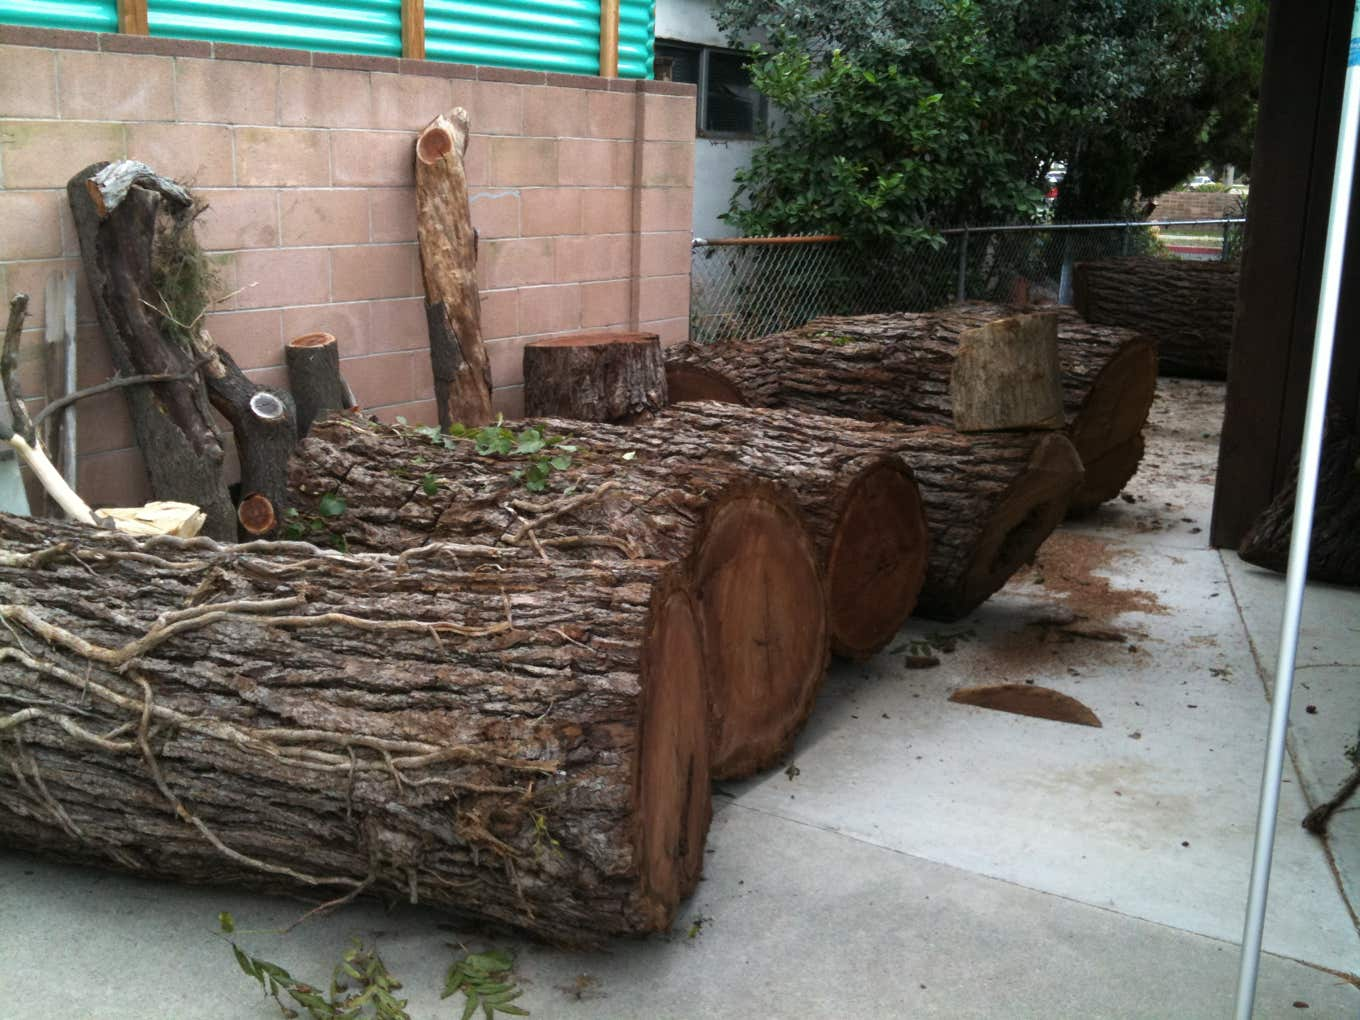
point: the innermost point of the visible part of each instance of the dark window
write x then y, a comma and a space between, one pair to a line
728, 105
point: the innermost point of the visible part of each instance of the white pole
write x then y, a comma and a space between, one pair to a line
1304, 499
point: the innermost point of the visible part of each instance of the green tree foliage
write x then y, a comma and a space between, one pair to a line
902, 116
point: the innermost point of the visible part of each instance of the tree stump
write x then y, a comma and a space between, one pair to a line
468, 728
604, 377
754, 567
1005, 376
448, 262
313, 361
1334, 552
1188, 306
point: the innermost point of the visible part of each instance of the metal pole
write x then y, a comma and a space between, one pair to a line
1223, 252
962, 294
1304, 499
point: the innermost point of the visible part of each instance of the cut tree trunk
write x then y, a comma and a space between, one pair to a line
605, 377
897, 368
448, 260
172, 420
1188, 306
469, 729
754, 566
1334, 552
314, 378
1005, 376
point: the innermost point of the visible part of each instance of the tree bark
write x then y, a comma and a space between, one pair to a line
1005, 376
448, 260
1334, 552
604, 377
897, 368
754, 566
471, 729
314, 377
1187, 306
171, 419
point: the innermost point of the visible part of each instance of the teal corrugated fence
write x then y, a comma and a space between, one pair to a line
85, 15
355, 26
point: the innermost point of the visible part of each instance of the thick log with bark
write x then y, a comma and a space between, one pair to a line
897, 368
754, 567
471, 729
1334, 552
608, 377
448, 262
117, 230
1188, 306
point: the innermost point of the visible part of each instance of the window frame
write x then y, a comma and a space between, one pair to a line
760, 114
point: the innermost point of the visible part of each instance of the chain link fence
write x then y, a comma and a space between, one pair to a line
745, 287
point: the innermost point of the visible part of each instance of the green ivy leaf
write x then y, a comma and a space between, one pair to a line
561, 463
332, 504
430, 484
227, 922
630, 455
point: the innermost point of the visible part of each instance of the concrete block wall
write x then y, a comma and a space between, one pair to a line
1195, 205
580, 189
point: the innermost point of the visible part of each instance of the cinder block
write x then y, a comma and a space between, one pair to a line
500, 314
667, 209
663, 297
195, 154
275, 278
605, 304
495, 213
665, 254
590, 161
399, 325
418, 412
668, 118
549, 211
282, 157
607, 210
392, 214
30, 277
520, 162
406, 102
374, 158
238, 218
494, 108
477, 161
509, 401
28, 81
671, 331
381, 379
373, 271
103, 424
516, 262
330, 216
667, 164
594, 257
553, 112
116, 86
254, 337
507, 361
30, 224
611, 114
226, 92
314, 97
45, 153
349, 322
115, 478
551, 309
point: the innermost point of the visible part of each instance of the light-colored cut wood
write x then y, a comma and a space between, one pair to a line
1006, 376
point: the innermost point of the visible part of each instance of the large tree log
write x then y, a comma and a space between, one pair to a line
448, 261
897, 368
1188, 306
607, 377
1334, 552
171, 419
471, 729
755, 569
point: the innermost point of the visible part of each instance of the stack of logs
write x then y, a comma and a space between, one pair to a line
503, 677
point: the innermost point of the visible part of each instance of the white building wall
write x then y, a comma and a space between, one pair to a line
688, 21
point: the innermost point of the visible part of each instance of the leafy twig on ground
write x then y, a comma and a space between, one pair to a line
486, 981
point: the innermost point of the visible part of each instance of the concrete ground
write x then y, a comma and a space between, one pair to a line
918, 857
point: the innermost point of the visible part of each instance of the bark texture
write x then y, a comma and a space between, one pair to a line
314, 377
1188, 306
459, 727
448, 260
171, 420
754, 567
1334, 553
606, 377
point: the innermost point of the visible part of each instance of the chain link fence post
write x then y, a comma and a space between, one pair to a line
961, 294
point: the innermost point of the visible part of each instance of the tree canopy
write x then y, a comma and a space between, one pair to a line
899, 117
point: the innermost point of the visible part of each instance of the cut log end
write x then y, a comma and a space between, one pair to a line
1030, 511
435, 142
308, 340
763, 609
877, 559
1107, 431
674, 807
686, 382
256, 514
